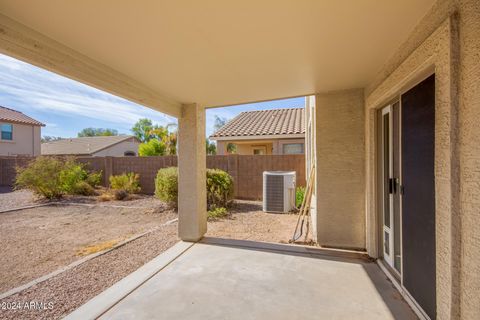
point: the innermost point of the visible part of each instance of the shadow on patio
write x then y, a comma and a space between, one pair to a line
232, 279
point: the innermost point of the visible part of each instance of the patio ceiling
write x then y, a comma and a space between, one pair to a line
221, 52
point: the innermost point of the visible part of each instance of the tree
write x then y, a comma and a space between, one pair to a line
50, 138
211, 147
142, 129
95, 132
218, 123
146, 131
153, 147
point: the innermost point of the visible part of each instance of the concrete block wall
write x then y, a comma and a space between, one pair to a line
8, 167
246, 171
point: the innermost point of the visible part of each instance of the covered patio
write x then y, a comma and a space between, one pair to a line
232, 279
361, 65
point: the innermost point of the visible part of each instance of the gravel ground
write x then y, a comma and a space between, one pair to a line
69, 290
13, 199
248, 222
41, 240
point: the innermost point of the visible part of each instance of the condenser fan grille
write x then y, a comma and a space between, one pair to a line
275, 193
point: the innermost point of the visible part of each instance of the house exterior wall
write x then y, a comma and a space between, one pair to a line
119, 149
447, 43
221, 148
340, 176
26, 141
246, 147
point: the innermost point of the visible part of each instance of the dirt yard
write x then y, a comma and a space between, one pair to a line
41, 240
247, 221
38, 241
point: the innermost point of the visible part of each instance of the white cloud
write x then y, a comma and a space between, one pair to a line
47, 92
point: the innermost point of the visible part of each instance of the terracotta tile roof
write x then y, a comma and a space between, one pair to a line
81, 146
264, 123
10, 115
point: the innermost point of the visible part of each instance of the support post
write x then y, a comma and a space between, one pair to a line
192, 197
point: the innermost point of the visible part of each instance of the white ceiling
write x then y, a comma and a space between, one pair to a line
227, 52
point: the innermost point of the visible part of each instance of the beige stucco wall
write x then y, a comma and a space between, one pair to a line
447, 43
26, 141
119, 149
340, 183
469, 151
246, 147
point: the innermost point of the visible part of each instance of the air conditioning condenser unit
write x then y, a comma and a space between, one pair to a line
279, 191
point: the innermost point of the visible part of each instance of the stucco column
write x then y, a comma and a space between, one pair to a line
340, 168
192, 198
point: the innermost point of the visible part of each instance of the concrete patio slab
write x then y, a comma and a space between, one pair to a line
215, 281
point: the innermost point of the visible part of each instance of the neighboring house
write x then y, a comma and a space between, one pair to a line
114, 146
278, 131
20, 134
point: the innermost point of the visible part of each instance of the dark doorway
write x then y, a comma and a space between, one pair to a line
418, 200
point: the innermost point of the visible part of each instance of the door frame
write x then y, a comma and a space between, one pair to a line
389, 258
394, 275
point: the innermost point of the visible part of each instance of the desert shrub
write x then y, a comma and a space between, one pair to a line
166, 186
94, 178
42, 176
71, 175
83, 188
105, 196
219, 187
217, 213
120, 194
130, 182
299, 195
52, 177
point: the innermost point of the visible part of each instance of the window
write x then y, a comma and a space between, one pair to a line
129, 153
259, 151
7, 131
293, 148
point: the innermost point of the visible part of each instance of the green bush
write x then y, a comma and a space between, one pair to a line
53, 177
217, 213
299, 195
83, 188
153, 147
42, 176
219, 187
71, 175
94, 178
166, 186
129, 182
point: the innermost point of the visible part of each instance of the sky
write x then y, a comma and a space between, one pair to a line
66, 106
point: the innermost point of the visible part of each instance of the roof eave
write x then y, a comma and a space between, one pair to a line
259, 137
39, 124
